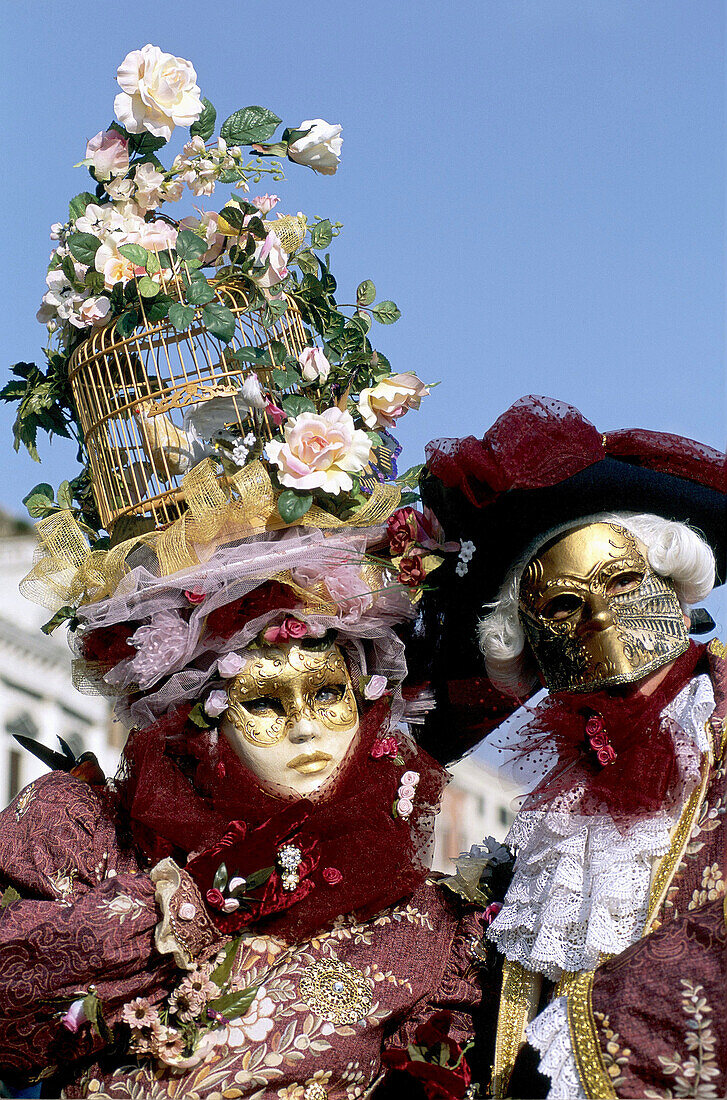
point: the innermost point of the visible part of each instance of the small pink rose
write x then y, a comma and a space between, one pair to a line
265, 203
195, 596
216, 703
404, 807
215, 898
332, 876
275, 414
229, 665
410, 778
295, 628
187, 911
375, 687
406, 791
75, 1016
108, 154
595, 724
492, 910
230, 905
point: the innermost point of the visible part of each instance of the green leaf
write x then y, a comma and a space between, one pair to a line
94, 280
39, 506
181, 316
9, 896
152, 264
220, 880
307, 262
220, 975
68, 269
386, 312
251, 355
145, 143
65, 496
148, 288
321, 234
83, 247
136, 253
220, 321
234, 216
199, 717
78, 204
248, 126
232, 1005
61, 616
190, 246
199, 292
126, 323
43, 489
365, 293
362, 321
292, 506
156, 309
257, 878
273, 311
204, 127
285, 378
297, 404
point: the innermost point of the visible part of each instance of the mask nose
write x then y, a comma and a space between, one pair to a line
303, 727
598, 615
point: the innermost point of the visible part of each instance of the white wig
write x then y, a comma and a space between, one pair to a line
674, 550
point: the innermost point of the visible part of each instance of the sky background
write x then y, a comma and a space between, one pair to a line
538, 185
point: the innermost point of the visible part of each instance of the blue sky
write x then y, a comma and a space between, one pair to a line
539, 186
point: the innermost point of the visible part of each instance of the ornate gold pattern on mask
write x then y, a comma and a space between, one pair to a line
278, 688
595, 613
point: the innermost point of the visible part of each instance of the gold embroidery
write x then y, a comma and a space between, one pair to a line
670, 861
336, 991
594, 1076
718, 648
518, 1002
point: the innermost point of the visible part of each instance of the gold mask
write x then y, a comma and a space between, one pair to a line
595, 613
280, 687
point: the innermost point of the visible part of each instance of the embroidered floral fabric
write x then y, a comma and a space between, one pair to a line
324, 1009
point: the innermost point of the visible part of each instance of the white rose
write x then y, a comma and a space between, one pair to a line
271, 249
148, 187
381, 405
320, 149
108, 153
314, 365
320, 452
92, 311
158, 92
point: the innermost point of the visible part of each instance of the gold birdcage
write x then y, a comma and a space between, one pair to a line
133, 393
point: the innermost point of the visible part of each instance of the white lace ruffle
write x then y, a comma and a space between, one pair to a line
550, 1035
580, 887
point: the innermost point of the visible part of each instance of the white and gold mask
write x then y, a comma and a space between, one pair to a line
292, 716
595, 613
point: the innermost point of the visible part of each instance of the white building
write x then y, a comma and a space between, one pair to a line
477, 803
37, 696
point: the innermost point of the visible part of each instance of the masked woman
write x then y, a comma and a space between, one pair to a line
589, 553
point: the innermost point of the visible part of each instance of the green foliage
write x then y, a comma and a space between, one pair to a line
221, 974
199, 717
9, 896
232, 1005
78, 204
136, 253
204, 127
293, 505
365, 293
83, 247
148, 288
127, 322
220, 321
64, 614
220, 880
190, 246
297, 404
181, 316
386, 312
156, 309
198, 291
321, 234
249, 125
145, 143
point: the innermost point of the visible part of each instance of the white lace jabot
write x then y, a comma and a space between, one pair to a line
580, 887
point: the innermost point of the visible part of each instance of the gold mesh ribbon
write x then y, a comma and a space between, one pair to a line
219, 510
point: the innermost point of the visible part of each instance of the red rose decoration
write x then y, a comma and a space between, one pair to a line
384, 746
332, 876
194, 597
271, 596
598, 741
412, 571
606, 755
215, 898
402, 528
595, 725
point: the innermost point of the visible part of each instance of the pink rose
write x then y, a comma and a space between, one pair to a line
108, 154
295, 628
216, 703
265, 203
410, 778
606, 756
272, 250
313, 365
320, 452
404, 807
229, 665
492, 910
215, 898
380, 406
75, 1016
375, 688
275, 414
290, 628
332, 876
194, 596
406, 791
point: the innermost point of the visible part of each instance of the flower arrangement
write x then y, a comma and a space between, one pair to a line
122, 260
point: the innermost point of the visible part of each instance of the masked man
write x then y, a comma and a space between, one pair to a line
588, 553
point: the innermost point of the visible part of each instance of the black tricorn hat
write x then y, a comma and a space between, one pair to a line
540, 466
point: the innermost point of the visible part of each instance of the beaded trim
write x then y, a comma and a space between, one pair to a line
584, 1040
518, 1003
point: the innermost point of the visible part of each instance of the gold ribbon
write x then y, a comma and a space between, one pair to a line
219, 510
518, 1002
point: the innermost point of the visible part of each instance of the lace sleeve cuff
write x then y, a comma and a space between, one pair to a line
185, 930
550, 1035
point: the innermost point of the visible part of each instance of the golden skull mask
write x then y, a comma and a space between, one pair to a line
595, 613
